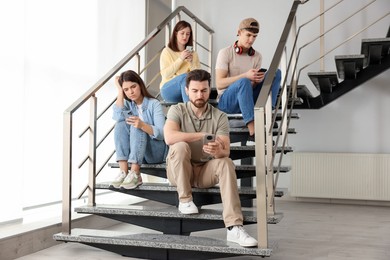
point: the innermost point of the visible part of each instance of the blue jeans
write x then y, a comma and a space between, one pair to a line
240, 97
174, 90
136, 146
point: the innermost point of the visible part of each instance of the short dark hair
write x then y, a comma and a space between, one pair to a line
197, 75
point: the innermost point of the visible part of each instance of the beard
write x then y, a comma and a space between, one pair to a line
199, 103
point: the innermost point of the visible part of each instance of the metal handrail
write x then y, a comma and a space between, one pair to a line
345, 41
296, 79
263, 129
291, 93
90, 94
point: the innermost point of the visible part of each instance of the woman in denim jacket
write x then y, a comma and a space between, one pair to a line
139, 136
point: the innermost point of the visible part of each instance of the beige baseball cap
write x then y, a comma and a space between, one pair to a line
249, 23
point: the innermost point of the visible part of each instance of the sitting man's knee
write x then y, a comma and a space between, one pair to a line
179, 150
226, 165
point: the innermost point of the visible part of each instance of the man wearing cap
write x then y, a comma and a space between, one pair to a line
238, 78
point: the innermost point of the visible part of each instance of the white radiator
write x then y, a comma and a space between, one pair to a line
341, 176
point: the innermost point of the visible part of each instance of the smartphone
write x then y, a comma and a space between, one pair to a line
127, 113
262, 70
207, 138
190, 48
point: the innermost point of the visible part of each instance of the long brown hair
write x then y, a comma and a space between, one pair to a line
173, 40
130, 75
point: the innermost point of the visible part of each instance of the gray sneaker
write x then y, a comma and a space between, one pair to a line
119, 179
131, 181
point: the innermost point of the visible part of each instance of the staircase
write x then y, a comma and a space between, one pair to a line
166, 233
170, 231
171, 235
352, 70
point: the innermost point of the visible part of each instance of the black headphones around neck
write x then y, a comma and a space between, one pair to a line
239, 49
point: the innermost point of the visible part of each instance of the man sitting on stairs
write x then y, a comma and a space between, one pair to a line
187, 166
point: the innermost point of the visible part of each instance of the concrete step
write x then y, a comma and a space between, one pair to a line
159, 170
166, 193
324, 81
374, 50
167, 219
349, 65
160, 246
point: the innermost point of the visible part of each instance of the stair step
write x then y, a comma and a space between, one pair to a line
302, 97
167, 218
241, 152
213, 102
166, 193
159, 246
349, 65
374, 50
245, 131
159, 170
324, 81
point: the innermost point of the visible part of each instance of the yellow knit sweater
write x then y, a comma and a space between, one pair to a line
171, 65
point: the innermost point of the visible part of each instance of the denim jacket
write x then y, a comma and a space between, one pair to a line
152, 113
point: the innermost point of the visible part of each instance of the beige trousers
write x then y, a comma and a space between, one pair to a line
184, 175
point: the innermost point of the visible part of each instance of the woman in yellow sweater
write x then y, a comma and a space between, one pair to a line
176, 60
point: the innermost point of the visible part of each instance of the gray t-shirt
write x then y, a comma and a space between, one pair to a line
236, 64
213, 121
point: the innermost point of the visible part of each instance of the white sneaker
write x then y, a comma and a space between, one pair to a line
131, 181
119, 179
188, 208
238, 235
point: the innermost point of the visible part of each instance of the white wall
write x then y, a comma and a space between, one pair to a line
356, 122
11, 109
51, 53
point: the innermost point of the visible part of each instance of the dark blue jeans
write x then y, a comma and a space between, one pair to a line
240, 97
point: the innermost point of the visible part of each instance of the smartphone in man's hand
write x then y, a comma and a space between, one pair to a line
208, 138
262, 70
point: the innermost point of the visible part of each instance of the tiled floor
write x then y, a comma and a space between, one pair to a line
307, 231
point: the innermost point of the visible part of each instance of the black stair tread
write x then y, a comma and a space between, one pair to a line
381, 48
159, 170
166, 193
278, 116
168, 211
168, 187
213, 102
252, 148
348, 65
245, 131
303, 91
162, 166
322, 73
156, 240
324, 81
376, 40
164, 187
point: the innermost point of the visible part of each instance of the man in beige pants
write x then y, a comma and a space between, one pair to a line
192, 163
